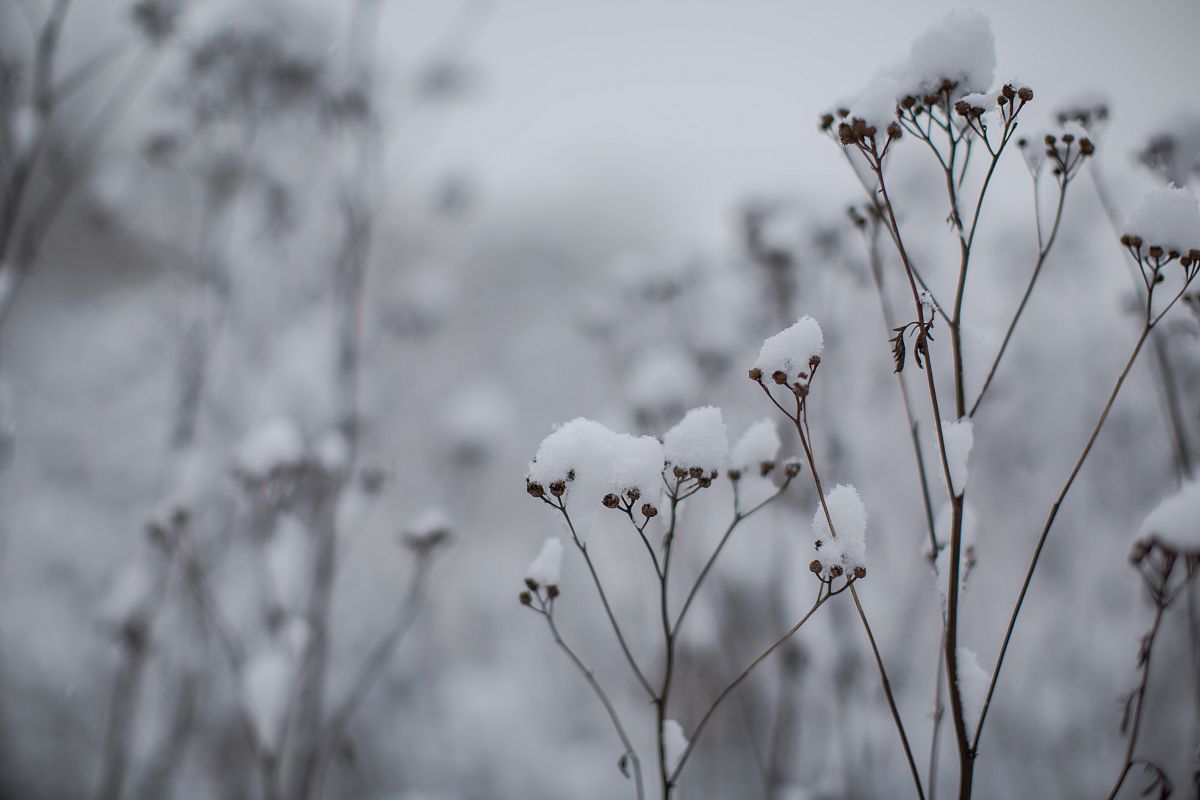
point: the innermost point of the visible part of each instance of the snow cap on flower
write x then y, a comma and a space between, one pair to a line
842, 550
756, 452
698, 442
790, 353
1168, 217
546, 568
588, 462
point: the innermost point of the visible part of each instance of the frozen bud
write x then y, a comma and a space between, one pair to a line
765, 467
1155, 251
679, 472
532, 584
835, 571
908, 101
826, 121
633, 494
1007, 91
1050, 140
894, 130
534, 488
649, 510
695, 472
860, 572
611, 500
526, 598
558, 488
1086, 147
755, 374
704, 482
815, 567
962, 108
779, 376
814, 362
552, 591
734, 474
791, 468
1025, 93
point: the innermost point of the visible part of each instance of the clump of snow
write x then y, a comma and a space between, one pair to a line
476, 423
430, 528
972, 685
266, 689
674, 742
546, 568
958, 436
846, 545
593, 461
790, 351
959, 48
276, 444
1176, 521
1168, 217
698, 441
663, 380
332, 451
758, 447
287, 554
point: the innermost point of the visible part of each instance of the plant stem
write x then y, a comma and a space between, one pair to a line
598, 690
887, 691
1037, 553
1140, 699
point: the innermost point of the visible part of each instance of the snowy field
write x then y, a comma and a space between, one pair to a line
526, 399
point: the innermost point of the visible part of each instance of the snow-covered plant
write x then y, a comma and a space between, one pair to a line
942, 95
583, 466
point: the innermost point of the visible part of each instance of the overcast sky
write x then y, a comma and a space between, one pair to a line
688, 105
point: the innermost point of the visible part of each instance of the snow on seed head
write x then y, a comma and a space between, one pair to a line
842, 550
756, 452
1168, 218
698, 444
789, 356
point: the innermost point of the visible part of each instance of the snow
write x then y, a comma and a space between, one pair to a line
1168, 217
758, 445
663, 378
699, 440
972, 685
546, 568
846, 545
674, 742
1176, 520
333, 451
430, 525
275, 444
958, 48
958, 436
602, 461
287, 562
791, 350
266, 688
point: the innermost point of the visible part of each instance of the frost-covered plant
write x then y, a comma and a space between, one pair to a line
583, 466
